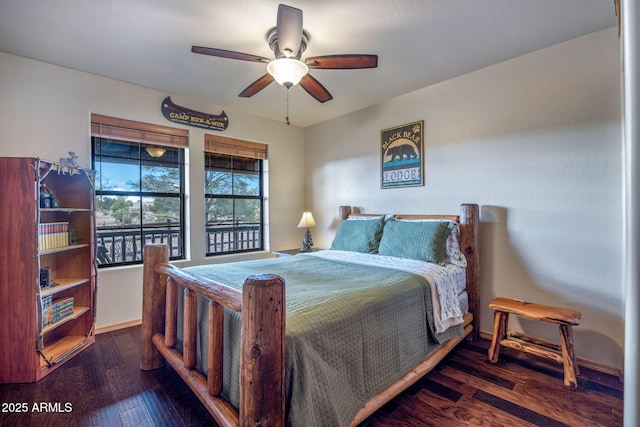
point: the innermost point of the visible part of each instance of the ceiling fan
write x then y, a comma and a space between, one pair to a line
288, 41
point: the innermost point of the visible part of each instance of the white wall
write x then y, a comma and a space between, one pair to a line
45, 112
536, 141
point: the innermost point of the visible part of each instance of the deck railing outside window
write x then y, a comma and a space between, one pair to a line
116, 246
225, 239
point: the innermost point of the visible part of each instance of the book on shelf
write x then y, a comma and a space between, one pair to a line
53, 235
54, 311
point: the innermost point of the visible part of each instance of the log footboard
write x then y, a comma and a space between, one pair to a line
262, 363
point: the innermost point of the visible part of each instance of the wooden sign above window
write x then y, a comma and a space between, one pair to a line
177, 114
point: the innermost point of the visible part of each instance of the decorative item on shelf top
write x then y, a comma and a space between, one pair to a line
45, 278
47, 199
70, 164
73, 236
307, 221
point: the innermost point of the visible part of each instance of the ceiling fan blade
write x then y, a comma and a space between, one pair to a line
343, 62
289, 30
315, 89
228, 54
257, 86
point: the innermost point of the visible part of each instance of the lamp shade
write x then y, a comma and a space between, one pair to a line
307, 220
287, 71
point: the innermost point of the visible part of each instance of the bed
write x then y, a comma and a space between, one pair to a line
348, 332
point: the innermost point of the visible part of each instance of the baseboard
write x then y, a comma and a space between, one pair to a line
609, 370
115, 327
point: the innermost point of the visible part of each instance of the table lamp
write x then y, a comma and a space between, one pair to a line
307, 221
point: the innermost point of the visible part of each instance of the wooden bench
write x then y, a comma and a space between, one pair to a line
564, 317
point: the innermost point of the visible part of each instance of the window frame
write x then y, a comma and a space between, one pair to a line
142, 135
235, 226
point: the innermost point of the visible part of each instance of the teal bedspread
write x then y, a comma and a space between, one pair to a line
351, 330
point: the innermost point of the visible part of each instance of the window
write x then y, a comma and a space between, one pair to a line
139, 189
234, 197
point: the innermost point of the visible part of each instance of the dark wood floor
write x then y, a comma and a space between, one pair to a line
104, 386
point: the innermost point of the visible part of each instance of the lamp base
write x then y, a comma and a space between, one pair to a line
307, 242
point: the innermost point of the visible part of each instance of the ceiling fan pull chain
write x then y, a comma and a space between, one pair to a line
287, 118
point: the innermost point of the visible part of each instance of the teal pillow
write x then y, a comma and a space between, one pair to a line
421, 240
358, 235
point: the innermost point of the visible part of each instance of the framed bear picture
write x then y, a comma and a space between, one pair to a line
401, 153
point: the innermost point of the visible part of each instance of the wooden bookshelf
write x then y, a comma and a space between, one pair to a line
30, 348
61, 349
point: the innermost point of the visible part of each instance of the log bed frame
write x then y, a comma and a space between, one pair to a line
261, 302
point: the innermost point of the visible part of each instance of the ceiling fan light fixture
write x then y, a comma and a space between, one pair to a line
287, 71
288, 40
156, 151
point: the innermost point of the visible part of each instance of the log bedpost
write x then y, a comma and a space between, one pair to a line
344, 212
262, 362
469, 236
153, 305
190, 329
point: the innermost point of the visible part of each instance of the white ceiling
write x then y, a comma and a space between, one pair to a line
419, 43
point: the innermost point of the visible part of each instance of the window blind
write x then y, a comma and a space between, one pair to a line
129, 130
234, 147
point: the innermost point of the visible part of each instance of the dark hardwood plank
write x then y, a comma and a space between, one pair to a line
517, 410
465, 411
136, 416
538, 396
106, 416
105, 386
525, 404
468, 411
441, 390
110, 351
160, 409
